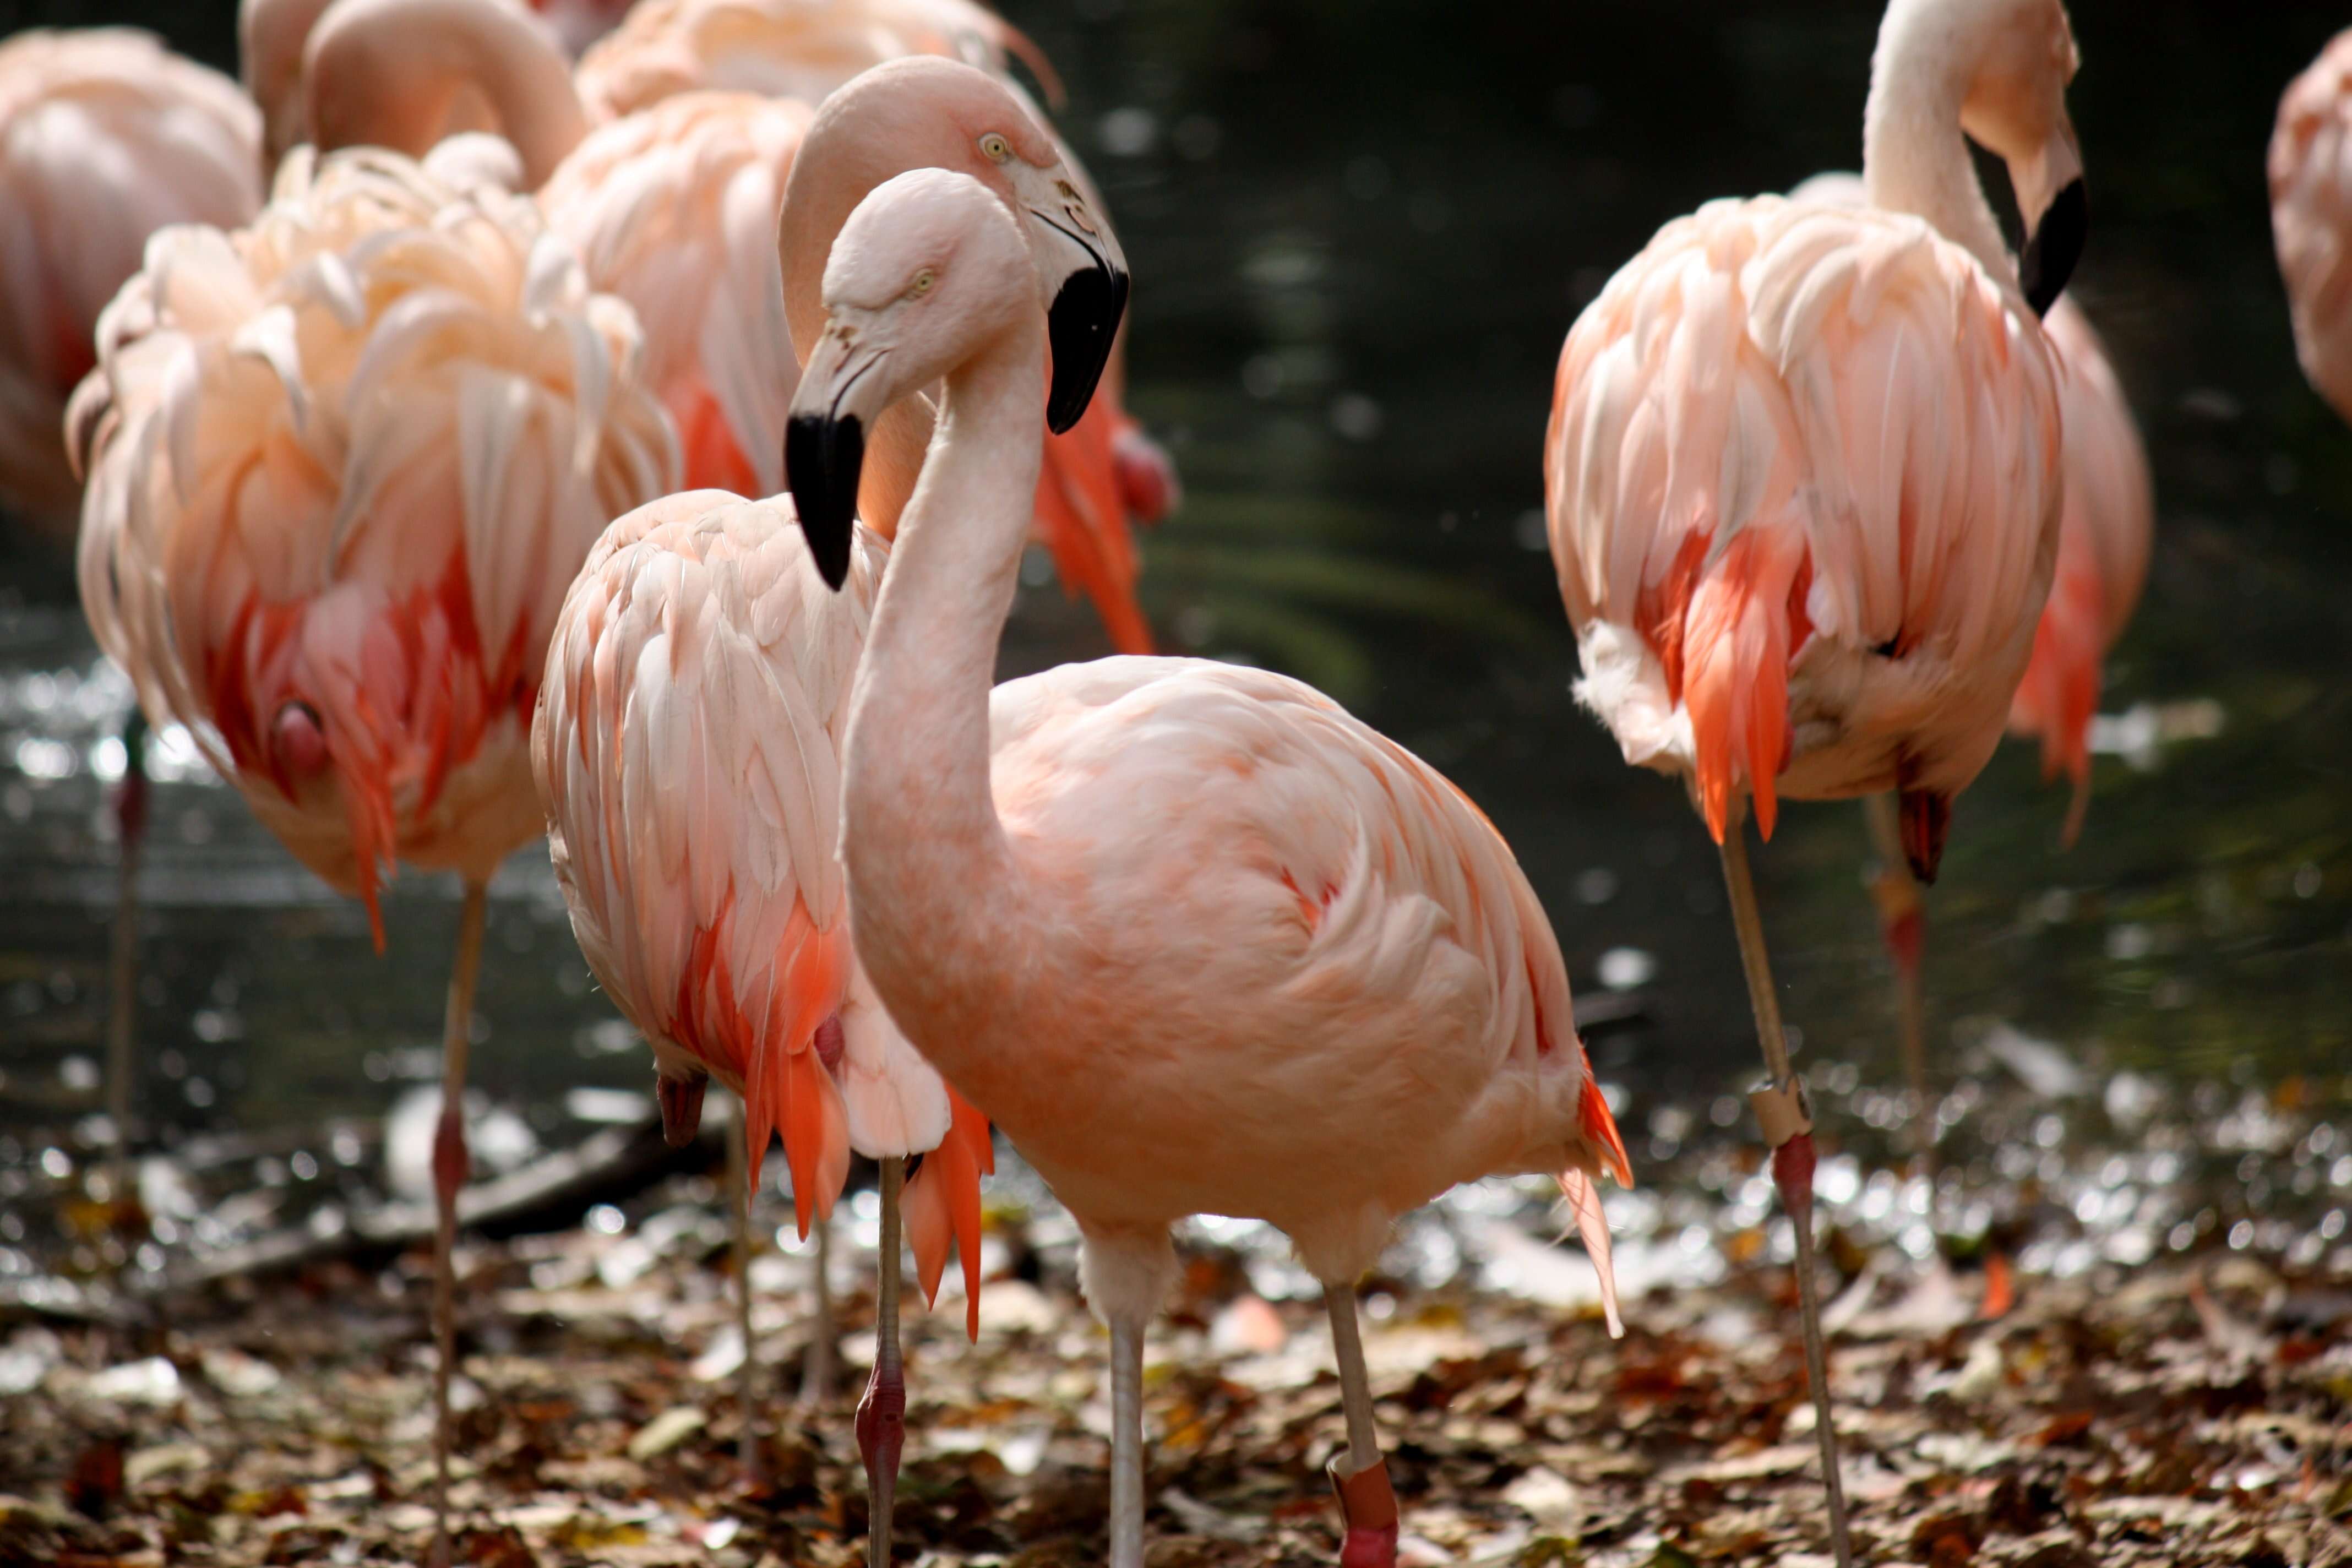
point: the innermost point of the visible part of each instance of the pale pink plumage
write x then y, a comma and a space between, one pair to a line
782, 48
2106, 530
105, 137
688, 750
2104, 538
2311, 216
674, 208
343, 465
1803, 485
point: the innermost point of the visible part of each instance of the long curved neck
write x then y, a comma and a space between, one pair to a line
930, 872
1914, 156
386, 73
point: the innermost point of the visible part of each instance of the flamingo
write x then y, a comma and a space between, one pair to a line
698, 648
1195, 938
1804, 481
343, 464
2311, 217
105, 137
2104, 531
664, 199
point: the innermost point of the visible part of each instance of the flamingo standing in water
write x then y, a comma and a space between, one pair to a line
1803, 482
2105, 532
687, 747
1196, 939
664, 199
2311, 217
343, 465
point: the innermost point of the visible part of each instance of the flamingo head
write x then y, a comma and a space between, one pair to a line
929, 272
925, 112
2015, 107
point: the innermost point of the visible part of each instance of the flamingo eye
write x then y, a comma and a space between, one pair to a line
996, 148
922, 283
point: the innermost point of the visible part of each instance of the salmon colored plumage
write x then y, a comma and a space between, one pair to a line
2311, 216
105, 137
688, 750
1195, 938
1803, 483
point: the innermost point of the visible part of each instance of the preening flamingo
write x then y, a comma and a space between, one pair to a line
2106, 529
1803, 482
1196, 939
2311, 217
688, 750
343, 464
663, 201
105, 137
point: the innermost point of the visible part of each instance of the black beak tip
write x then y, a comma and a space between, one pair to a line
2054, 247
822, 460
1082, 325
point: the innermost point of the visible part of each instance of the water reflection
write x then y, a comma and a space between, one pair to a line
1358, 240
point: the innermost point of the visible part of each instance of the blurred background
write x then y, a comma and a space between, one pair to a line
1359, 230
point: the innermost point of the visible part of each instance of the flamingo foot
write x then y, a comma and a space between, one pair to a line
1368, 1505
681, 1107
881, 1434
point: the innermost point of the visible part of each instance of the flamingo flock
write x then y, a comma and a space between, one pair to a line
626, 424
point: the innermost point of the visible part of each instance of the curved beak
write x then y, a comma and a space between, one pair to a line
2057, 214
1084, 275
835, 403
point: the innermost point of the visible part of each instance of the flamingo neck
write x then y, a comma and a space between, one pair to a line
392, 73
1914, 158
932, 883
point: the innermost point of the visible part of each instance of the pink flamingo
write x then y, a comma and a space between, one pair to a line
698, 649
2106, 529
1197, 939
105, 137
343, 464
1803, 485
663, 200
2311, 216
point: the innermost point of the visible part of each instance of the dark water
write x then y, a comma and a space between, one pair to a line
1359, 231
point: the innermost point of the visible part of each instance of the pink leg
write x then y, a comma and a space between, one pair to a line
882, 1413
449, 1166
1903, 923
1361, 1476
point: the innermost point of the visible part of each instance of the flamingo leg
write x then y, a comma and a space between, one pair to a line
1902, 918
1361, 1479
882, 1413
122, 956
746, 1377
1126, 1445
449, 1164
817, 1370
1782, 1111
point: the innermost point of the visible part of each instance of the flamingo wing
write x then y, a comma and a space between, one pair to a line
674, 209
689, 750
1802, 484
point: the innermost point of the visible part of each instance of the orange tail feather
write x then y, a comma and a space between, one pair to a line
942, 1205
1082, 509
1744, 624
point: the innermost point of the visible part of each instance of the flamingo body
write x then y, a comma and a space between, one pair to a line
687, 747
105, 137
2311, 216
1803, 484
344, 463
674, 208
1243, 902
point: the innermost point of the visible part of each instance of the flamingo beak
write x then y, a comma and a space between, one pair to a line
1084, 274
825, 445
2057, 214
